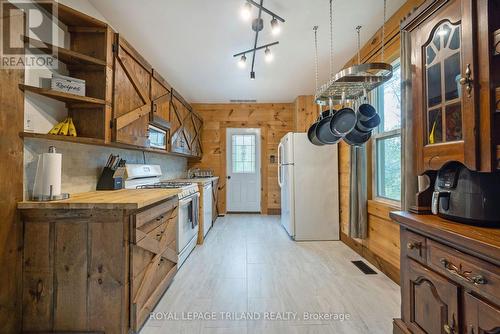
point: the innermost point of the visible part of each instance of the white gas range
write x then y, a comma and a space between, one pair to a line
138, 176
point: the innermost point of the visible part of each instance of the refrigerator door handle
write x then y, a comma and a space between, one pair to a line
279, 176
280, 145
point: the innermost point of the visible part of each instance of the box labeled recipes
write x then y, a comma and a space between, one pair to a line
66, 84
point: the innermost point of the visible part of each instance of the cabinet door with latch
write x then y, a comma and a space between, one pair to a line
445, 85
430, 301
480, 316
161, 94
179, 115
131, 95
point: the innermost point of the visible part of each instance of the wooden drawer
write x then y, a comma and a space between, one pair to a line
413, 245
155, 213
475, 274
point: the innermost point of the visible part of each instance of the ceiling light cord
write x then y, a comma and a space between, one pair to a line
331, 39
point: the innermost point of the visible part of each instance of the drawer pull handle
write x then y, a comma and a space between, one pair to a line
463, 274
159, 218
414, 245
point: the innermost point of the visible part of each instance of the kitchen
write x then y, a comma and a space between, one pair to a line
250, 167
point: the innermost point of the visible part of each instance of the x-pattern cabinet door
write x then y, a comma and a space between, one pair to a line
131, 95
178, 113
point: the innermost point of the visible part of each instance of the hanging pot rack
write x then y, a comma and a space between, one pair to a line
356, 81
353, 82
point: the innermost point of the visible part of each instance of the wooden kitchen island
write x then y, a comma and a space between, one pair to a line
99, 261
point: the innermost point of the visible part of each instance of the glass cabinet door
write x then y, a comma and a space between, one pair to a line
443, 104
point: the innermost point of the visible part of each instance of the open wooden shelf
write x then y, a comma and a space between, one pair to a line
67, 56
70, 16
100, 142
61, 96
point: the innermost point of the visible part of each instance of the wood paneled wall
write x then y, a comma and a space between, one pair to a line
381, 247
305, 112
11, 191
274, 120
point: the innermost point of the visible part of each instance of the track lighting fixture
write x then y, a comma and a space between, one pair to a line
268, 55
242, 63
246, 11
275, 27
257, 27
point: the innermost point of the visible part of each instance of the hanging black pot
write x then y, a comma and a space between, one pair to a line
357, 137
323, 131
342, 122
311, 133
369, 124
366, 111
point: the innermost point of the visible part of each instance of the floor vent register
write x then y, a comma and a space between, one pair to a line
364, 268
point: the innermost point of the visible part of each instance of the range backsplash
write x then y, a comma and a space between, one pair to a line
82, 164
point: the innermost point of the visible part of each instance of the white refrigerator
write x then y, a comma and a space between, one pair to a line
308, 177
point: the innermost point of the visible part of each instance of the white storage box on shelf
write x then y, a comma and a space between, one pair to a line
66, 84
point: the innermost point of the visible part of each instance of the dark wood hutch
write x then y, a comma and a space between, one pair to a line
450, 272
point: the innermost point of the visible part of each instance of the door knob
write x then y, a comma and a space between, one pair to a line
229, 177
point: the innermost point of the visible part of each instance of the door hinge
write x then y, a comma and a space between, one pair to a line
114, 47
111, 124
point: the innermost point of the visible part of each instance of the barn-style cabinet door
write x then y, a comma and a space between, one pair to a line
180, 139
131, 95
196, 147
161, 95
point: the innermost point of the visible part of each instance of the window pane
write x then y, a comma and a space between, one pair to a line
389, 168
243, 155
391, 107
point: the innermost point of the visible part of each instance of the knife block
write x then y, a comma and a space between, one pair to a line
108, 182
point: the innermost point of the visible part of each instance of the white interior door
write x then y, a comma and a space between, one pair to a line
243, 170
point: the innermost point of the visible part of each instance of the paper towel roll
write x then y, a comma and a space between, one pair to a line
51, 174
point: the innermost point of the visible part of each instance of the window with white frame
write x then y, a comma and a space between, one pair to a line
387, 139
243, 153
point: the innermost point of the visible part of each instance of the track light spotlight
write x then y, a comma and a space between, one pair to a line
268, 55
242, 63
246, 11
275, 26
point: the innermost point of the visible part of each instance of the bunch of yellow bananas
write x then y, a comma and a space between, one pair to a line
64, 128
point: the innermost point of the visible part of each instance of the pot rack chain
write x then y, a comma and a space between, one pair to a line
331, 39
383, 30
358, 31
315, 29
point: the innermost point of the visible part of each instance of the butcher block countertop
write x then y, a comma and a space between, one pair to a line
199, 180
129, 199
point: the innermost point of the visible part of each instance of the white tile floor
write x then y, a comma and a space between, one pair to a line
249, 266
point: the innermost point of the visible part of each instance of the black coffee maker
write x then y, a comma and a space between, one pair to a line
466, 196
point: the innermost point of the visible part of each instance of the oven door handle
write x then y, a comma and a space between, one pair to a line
186, 200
